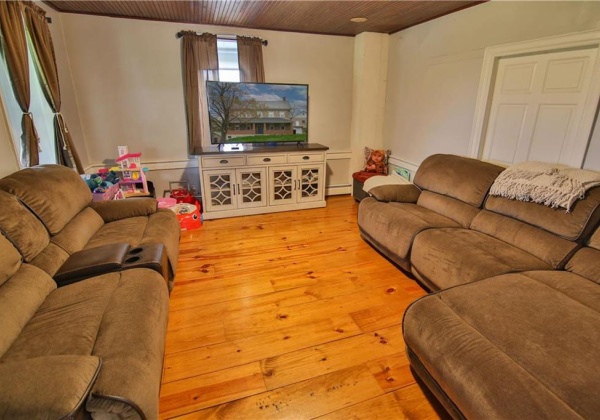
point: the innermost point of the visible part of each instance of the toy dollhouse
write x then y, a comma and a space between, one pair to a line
133, 179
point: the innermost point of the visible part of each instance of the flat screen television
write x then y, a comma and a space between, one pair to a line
257, 112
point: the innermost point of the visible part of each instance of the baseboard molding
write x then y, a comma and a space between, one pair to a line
338, 190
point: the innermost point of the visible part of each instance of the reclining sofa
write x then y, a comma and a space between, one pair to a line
93, 347
512, 326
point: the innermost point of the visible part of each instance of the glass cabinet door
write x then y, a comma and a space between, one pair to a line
283, 185
252, 188
221, 190
311, 183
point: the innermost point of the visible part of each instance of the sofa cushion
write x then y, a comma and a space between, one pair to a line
96, 316
130, 230
52, 387
449, 207
163, 228
132, 369
20, 298
573, 226
23, 229
550, 248
54, 193
594, 240
67, 322
586, 262
10, 261
398, 193
395, 225
521, 345
448, 257
50, 259
465, 179
111, 211
78, 232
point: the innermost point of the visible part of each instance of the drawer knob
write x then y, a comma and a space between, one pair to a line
224, 161
266, 159
305, 157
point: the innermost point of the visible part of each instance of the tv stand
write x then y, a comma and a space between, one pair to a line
262, 179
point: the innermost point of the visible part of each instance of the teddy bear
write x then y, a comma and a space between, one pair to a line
376, 163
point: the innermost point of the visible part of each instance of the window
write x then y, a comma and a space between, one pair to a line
229, 70
43, 117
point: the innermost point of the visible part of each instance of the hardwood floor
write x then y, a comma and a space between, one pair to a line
288, 316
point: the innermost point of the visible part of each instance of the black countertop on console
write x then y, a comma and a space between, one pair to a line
249, 148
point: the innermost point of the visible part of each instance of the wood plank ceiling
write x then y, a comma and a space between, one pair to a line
320, 17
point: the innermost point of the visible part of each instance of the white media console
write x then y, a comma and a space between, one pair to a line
263, 179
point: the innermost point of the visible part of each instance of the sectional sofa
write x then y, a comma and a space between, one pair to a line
93, 346
512, 326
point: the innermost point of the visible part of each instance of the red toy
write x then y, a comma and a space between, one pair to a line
188, 215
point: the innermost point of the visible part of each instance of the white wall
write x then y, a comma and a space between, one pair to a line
434, 70
128, 78
369, 89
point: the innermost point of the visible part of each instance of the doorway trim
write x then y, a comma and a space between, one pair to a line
572, 41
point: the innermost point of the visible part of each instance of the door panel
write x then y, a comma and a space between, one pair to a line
536, 109
506, 132
551, 131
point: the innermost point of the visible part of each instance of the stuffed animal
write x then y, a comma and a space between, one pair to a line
376, 161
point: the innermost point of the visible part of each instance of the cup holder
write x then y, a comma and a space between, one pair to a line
136, 250
133, 259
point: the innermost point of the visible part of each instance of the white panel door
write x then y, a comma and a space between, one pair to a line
536, 108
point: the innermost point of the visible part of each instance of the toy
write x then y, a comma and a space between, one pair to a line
103, 185
376, 161
133, 182
188, 215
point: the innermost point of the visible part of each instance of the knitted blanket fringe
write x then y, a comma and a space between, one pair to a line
544, 183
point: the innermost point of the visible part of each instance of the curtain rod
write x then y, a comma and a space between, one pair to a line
262, 41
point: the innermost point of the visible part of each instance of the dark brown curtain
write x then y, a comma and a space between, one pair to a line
40, 36
250, 57
199, 56
15, 54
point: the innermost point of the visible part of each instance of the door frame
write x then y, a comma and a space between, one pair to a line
492, 55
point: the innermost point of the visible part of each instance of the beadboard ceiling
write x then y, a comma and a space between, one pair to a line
320, 17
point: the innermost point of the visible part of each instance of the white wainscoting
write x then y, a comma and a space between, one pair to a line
397, 162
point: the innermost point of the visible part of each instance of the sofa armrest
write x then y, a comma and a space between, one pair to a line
407, 193
46, 387
122, 209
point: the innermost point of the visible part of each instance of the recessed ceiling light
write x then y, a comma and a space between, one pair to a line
358, 19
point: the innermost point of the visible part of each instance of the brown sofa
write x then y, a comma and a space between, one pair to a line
513, 328
93, 347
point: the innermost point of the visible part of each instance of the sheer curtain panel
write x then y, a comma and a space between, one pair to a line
15, 53
45, 63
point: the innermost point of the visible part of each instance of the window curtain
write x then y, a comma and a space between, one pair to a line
15, 54
200, 61
40, 36
250, 57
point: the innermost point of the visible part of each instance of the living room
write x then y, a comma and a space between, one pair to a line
413, 92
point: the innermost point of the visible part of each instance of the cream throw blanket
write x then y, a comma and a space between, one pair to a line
544, 183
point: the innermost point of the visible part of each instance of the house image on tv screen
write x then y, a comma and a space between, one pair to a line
257, 112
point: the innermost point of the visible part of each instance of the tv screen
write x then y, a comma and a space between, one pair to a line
257, 112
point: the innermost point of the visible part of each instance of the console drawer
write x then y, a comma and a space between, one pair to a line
222, 161
305, 157
265, 159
